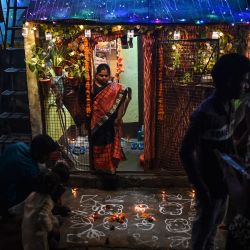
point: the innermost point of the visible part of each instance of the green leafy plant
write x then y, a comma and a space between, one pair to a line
57, 55
75, 69
187, 78
37, 63
176, 55
205, 59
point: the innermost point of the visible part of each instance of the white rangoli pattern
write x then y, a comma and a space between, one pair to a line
85, 228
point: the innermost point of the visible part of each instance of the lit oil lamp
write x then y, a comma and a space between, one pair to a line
74, 192
192, 194
163, 195
140, 208
94, 216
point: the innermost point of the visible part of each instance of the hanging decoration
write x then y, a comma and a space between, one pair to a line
48, 36
177, 35
215, 35
87, 76
131, 33
87, 33
119, 62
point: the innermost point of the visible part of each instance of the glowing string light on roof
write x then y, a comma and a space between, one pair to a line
141, 11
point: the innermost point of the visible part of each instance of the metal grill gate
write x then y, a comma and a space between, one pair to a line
183, 81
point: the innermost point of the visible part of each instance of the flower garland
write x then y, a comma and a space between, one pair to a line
119, 63
160, 113
87, 69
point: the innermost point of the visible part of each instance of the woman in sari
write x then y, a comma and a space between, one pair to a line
110, 101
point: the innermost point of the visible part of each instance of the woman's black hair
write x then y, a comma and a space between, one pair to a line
61, 168
41, 147
103, 66
229, 67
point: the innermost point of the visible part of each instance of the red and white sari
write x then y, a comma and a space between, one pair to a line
108, 107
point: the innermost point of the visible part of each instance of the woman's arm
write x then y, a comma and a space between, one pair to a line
127, 100
124, 105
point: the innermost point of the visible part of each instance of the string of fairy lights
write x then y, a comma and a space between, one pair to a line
142, 11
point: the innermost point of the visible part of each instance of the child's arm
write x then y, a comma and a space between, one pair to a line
45, 217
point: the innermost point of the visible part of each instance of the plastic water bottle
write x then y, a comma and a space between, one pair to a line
140, 134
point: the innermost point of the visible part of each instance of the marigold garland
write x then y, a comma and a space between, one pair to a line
119, 60
160, 113
87, 69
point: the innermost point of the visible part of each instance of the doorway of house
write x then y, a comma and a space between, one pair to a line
61, 123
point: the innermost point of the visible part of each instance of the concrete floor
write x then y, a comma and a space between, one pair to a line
154, 219
132, 150
91, 224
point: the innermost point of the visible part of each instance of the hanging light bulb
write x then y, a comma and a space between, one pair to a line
25, 32
48, 36
215, 35
177, 35
87, 33
221, 34
131, 33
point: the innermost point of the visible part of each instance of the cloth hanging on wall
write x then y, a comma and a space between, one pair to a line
149, 105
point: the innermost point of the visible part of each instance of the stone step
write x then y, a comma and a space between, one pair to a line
8, 92
14, 115
13, 70
13, 138
15, 28
12, 49
127, 180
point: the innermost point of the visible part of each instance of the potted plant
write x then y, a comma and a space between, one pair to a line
46, 75
57, 55
37, 64
75, 72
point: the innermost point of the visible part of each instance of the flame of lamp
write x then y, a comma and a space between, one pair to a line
74, 192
